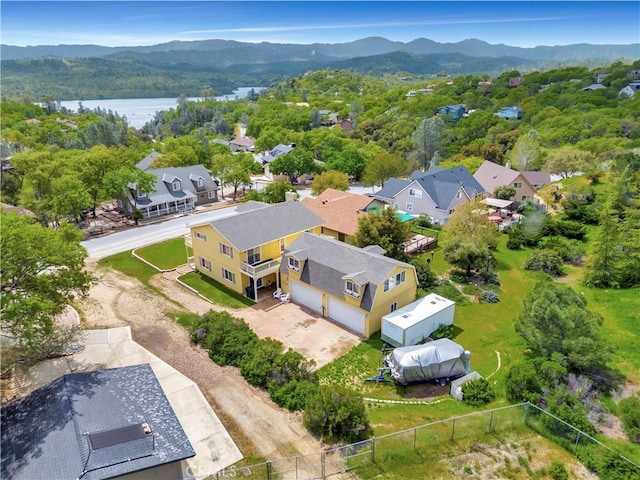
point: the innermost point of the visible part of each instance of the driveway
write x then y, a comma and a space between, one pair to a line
300, 329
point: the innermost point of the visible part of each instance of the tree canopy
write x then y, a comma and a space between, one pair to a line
384, 229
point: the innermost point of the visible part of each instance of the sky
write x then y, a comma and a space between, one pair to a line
133, 23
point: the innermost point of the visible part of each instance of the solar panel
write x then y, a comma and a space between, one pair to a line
116, 436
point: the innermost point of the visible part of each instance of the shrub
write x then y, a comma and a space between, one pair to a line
292, 380
630, 413
426, 277
336, 414
491, 277
293, 395
423, 221
477, 392
547, 261
571, 251
558, 472
257, 365
570, 229
487, 296
228, 337
443, 331
458, 276
527, 381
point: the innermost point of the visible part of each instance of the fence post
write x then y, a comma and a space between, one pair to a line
490, 422
575, 449
373, 449
415, 435
453, 428
322, 465
526, 412
296, 467
268, 470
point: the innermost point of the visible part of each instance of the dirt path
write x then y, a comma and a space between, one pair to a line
255, 423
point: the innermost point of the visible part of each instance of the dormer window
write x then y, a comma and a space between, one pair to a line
294, 264
142, 194
201, 182
352, 288
176, 186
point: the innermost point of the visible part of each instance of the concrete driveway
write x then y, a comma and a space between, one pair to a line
297, 327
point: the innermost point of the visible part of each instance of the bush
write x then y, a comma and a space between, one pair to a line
228, 338
487, 296
477, 392
491, 277
547, 261
570, 229
294, 394
458, 276
336, 414
571, 251
423, 221
426, 277
443, 331
630, 413
257, 365
558, 472
527, 381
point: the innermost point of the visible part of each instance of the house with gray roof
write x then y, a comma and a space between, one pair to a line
94, 425
510, 113
147, 161
176, 190
435, 193
354, 287
243, 251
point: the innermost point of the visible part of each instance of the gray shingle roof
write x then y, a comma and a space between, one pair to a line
44, 435
329, 261
256, 227
188, 177
146, 162
392, 188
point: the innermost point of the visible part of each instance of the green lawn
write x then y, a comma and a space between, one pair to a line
166, 255
215, 291
129, 265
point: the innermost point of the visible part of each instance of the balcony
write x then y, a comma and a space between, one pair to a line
261, 269
188, 241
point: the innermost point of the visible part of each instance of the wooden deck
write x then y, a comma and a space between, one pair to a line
420, 243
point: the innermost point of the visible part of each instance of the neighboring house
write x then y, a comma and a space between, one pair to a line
410, 93
630, 90
510, 113
352, 286
33, 121
486, 85
66, 122
600, 77
537, 179
491, 175
340, 211
243, 251
177, 190
243, 144
346, 125
95, 425
635, 73
454, 111
593, 87
267, 157
516, 81
435, 193
19, 209
328, 118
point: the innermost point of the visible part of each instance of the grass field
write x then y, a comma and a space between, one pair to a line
166, 255
215, 291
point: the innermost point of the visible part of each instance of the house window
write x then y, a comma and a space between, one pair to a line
409, 207
526, 197
401, 277
253, 256
201, 182
281, 245
396, 206
227, 275
394, 306
142, 194
517, 184
176, 185
451, 211
226, 250
204, 263
352, 288
211, 195
294, 264
389, 283
459, 195
201, 236
413, 192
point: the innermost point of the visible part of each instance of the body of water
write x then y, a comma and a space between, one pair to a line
141, 110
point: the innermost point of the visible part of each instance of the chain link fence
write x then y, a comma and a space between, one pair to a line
338, 462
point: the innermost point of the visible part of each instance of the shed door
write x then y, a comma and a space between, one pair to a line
348, 316
306, 296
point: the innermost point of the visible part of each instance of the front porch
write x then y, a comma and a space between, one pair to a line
178, 206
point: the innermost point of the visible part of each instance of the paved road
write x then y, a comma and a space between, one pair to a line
171, 228
148, 234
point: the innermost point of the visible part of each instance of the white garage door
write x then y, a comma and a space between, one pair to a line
306, 296
348, 316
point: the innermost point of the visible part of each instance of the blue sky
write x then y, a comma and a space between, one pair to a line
129, 23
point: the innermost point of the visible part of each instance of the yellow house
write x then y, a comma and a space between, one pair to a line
243, 251
352, 286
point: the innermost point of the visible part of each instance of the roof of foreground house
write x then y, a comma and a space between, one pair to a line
328, 262
339, 210
92, 425
263, 224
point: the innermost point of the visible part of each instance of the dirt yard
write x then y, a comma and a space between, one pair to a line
258, 426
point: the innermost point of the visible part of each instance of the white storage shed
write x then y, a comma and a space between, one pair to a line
413, 323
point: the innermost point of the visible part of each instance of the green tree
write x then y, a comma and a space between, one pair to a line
566, 161
129, 179
293, 164
69, 196
329, 179
276, 192
42, 271
602, 267
504, 192
336, 414
385, 229
384, 166
426, 277
427, 140
630, 413
556, 324
630, 244
236, 170
525, 152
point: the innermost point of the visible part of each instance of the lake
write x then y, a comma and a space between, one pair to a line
141, 110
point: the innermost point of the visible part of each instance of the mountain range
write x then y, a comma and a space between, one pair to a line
69, 72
